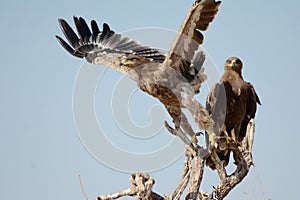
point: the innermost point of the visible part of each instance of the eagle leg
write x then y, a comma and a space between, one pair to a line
175, 113
186, 125
180, 134
233, 135
179, 119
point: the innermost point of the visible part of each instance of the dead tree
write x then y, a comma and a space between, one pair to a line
142, 184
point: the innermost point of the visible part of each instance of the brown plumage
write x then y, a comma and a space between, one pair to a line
173, 78
231, 103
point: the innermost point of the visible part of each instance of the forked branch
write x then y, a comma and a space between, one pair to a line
141, 185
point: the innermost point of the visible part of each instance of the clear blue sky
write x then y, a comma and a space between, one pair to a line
40, 148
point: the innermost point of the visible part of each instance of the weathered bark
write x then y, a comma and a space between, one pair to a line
197, 175
141, 187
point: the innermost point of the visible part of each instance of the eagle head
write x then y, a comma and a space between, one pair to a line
132, 61
235, 64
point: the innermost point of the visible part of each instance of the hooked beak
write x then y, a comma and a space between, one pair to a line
126, 62
122, 62
233, 63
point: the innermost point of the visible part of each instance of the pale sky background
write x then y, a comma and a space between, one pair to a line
41, 151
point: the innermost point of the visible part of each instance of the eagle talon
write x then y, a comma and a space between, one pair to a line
194, 139
224, 141
211, 141
239, 144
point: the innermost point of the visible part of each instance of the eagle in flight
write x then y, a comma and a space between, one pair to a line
173, 78
231, 104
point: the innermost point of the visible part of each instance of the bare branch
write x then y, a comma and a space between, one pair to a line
116, 195
184, 179
141, 187
219, 165
197, 175
81, 186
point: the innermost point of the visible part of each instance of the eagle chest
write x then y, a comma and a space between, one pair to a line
236, 101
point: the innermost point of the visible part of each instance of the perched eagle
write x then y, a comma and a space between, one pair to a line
231, 104
172, 78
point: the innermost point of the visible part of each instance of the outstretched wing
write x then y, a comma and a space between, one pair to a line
189, 36
102, 47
